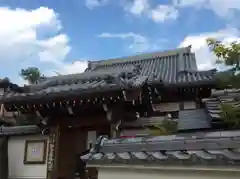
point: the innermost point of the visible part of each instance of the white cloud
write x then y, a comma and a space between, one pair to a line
56, 49
220, 7
164, 12
159, 13
75, 67
138, 43
137, 7
21, 45
68, 68
91, 4
205, 58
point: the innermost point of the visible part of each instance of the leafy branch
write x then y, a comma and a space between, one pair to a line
228, 54
31, 74
26, 120
167, 127
230, 114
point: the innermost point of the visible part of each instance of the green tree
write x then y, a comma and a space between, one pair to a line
31, 74
167, 127
227, 79
230, 114
229, 55
25, 120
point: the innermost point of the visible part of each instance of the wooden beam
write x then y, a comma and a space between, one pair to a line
70, 111
118, 124
38, 114
132, 95
105, 107
83, 121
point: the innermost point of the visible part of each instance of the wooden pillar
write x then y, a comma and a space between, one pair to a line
52, 153
113, 131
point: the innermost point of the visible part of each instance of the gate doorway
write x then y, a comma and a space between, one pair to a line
71, 142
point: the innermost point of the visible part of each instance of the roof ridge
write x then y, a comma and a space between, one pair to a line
104, 144
180, 136
140, 57
88, 75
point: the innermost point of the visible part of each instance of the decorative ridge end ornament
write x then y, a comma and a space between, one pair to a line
89, 66
189, 48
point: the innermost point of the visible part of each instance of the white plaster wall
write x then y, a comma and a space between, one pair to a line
167, 107
16, 168
189, 105
111, 173
91, 138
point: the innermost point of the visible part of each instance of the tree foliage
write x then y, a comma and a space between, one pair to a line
230, 114
227, 79
228, 54
24, 120
31, 74
167, 127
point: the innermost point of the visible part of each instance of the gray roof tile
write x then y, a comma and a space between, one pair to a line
175, 67
19, 130
205, 148
88, 82
85, 77
231, 96
187, 120
193, 119
170, 68
144, 122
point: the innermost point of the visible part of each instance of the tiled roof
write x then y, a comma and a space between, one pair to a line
19, 130
5, 83
217, 148
97, 81
174, 67
144, 122
187, 120
230, 96
144, 56
193, 119
170, 67
80, 78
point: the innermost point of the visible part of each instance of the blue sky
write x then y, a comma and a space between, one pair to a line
61, 36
